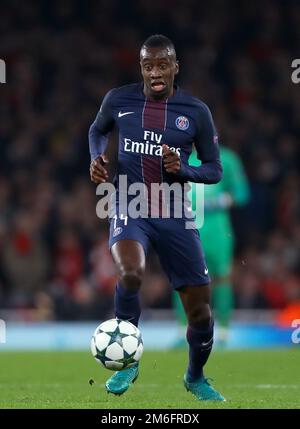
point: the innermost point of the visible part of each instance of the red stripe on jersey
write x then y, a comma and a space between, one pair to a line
155, 114
154, 118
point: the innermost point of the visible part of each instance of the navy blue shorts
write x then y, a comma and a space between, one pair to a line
179, 249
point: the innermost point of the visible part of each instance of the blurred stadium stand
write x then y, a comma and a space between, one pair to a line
62, 57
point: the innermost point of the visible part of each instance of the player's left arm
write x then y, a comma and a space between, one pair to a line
206, 143
98, 138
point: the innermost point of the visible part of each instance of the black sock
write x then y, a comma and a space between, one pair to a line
127, 304
200, 341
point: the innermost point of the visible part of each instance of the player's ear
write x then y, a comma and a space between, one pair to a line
177, 67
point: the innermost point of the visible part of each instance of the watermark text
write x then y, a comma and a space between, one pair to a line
295, 76
2, 331
157, 200
296, 333
2, 71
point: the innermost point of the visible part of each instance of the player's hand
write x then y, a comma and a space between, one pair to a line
98, 172
171, 160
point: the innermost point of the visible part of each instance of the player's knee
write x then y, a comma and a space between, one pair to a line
200, 316
131, 277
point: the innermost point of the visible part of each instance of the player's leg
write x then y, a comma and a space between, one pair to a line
128, 243
129, 258
196, 301
220, 267
200, 338
223, 304
182, 258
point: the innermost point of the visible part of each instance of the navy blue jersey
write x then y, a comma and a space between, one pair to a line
145, 125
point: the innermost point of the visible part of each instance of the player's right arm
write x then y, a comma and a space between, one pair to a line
98, 138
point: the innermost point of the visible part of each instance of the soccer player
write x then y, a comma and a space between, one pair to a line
217, 234
158, 124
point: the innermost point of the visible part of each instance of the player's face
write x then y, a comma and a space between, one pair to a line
159, 67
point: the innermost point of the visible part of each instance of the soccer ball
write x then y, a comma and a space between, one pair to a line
117, 344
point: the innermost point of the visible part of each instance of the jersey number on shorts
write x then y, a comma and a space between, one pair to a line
122, 217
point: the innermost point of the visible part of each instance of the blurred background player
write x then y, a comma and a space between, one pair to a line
217, 236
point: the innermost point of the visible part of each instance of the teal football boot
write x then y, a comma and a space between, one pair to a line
121, 380
202, 390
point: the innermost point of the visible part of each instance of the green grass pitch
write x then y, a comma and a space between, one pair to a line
248, 379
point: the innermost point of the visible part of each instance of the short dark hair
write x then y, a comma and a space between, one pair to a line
159, 41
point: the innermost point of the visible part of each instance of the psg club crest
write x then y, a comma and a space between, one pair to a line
182, 123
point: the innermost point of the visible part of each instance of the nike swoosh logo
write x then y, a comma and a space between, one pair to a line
207, 343
206, 271
123, 114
